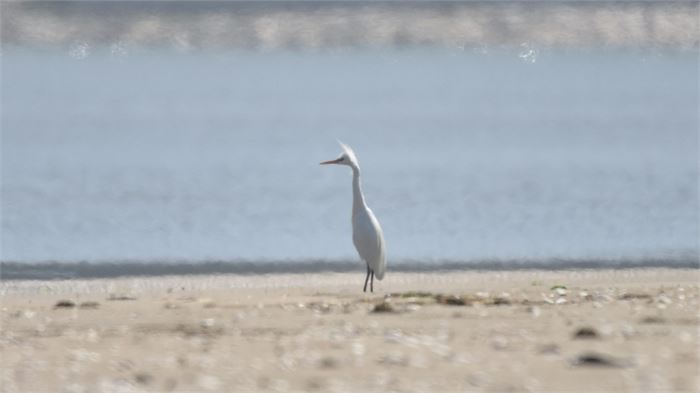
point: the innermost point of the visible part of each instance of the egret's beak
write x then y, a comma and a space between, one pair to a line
337, 160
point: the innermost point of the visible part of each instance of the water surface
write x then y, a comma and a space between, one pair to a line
466, 155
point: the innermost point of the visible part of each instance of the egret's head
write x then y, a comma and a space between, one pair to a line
347, 157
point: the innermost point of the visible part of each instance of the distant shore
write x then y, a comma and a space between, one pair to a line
318, 25
575, 330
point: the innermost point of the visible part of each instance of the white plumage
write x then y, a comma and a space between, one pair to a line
367, 234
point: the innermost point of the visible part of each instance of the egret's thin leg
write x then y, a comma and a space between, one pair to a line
366, 278
371, 283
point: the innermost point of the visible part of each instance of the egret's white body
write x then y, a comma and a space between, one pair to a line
367, 234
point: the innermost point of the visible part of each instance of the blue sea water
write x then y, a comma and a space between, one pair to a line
466, 156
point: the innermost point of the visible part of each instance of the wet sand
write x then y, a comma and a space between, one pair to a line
626, 330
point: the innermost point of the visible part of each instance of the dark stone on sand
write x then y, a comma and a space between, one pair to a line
120, 297
64, 304
383, 307
501, 301
328, 362
631, 296
89, 305
586, 332
652, 319
143, 378
594, 359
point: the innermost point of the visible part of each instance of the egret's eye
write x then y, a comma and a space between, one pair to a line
342, 158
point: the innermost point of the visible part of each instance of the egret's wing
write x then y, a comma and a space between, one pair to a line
369, 242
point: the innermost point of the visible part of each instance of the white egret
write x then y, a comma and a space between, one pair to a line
366, 233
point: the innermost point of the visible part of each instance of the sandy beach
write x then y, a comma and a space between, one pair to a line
629, 330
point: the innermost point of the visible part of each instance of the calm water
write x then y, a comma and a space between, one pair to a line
466, 156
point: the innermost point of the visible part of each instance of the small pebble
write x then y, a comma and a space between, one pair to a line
631, 296
534, 311
206, 323
64, 304
499, 343
663, 299
383, 307
652, 319
501, 301
328, 362
114, 297
586, 332
596, 360
143, 378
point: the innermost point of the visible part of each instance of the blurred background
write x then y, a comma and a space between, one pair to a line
487, 131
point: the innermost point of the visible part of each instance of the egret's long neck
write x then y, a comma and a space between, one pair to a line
358, 200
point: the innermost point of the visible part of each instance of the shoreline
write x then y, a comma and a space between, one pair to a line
10, 271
